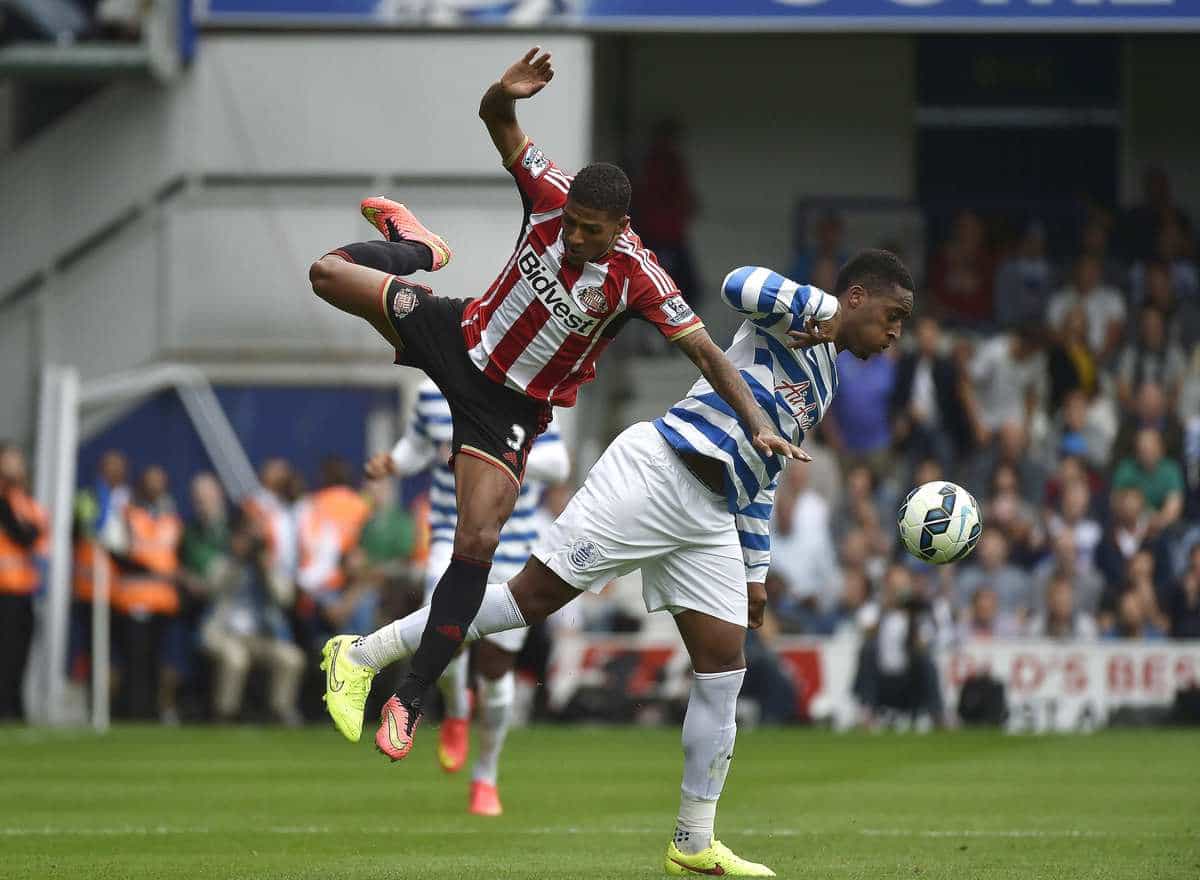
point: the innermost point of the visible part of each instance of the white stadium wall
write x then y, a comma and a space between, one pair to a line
240, 175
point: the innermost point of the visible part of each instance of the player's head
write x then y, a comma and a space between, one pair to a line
876, 294
596, 212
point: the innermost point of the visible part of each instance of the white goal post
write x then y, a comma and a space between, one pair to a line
64, 403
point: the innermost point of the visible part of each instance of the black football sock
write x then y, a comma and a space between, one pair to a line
455, 603
393, 257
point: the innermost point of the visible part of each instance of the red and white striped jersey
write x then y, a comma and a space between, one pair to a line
542, 323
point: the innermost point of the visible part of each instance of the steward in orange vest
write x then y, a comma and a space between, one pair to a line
329, 523
24, 536
24, 541
149, 561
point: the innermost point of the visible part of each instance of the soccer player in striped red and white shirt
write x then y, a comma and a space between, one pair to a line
577, 275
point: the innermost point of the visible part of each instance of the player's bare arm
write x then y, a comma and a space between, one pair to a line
524, 79
756, 595
728, 382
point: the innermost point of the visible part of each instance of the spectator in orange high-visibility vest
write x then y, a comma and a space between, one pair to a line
24, 543
145, 598
329, 522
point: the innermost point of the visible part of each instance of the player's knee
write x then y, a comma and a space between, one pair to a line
476, 541
321, 275
719, 658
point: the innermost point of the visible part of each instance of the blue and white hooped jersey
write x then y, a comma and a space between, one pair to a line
431, 429
794, 386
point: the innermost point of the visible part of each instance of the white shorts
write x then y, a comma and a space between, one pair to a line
511, 640
640, 507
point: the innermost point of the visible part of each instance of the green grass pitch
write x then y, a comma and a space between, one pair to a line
596, 802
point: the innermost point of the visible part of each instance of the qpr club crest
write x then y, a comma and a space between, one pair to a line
593, 300
582, 554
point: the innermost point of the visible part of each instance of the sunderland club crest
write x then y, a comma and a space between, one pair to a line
593, 300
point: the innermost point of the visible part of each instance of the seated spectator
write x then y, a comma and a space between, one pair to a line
1094, 241
1072, 468
983, 618
1183, 600
1128, 532
1131, 621
1139, 579
1104, 307
962, 272
1159, 479
1066, 562
247, 625
1060, 619
858, 555
1182, 317
802, 555
1070, 363
1023, 280
1083, 432
856, 425
1010, 446
1173, 248
1141, 224
989, 568
1007, 510
1074, 516
928, 407
206, 536
1006, 377
1149, 409
388, 537
859, 510
1151, 359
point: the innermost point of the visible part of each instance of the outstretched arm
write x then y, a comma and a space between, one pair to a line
808, 314
728, 382
498, 110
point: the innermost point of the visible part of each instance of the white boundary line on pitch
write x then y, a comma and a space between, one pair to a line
164, 830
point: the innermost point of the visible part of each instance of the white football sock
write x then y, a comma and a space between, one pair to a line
495, 715
709, 729
399, 639
453, 686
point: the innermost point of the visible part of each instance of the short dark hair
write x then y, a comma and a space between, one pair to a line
876, 270
602, 187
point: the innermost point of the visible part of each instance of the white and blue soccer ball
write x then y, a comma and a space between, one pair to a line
940, 522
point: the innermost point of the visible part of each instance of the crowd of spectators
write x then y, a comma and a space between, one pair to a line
1063, 391
198, 605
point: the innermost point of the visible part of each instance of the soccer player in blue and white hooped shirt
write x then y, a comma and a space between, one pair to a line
687, 499
425, 446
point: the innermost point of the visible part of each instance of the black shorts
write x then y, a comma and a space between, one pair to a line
491, 421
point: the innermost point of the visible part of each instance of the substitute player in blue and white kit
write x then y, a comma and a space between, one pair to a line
687, 499
425, 446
